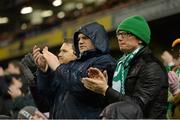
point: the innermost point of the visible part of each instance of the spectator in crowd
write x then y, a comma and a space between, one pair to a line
172, 63
66, 54
13, 68
70, 98
11, 94
140, 83
174, 85
172, 67
28, 66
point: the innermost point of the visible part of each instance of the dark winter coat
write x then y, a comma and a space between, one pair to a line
146, 85
70, 99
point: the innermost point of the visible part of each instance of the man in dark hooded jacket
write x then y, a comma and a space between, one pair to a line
69, 98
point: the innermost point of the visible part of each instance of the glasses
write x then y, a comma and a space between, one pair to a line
123, 34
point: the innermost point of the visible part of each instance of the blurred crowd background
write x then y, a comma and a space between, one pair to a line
25, 23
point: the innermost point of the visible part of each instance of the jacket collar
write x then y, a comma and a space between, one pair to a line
89, 54
144, 51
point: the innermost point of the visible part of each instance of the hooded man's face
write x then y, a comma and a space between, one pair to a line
84, 43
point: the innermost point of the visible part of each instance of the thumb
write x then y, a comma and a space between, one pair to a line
105, 75
45, 48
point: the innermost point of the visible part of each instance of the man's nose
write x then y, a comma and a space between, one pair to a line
80, 41
119, 38
60, 54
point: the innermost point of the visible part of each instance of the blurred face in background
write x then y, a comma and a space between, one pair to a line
84, 43
167, 58
177, 62
66, 53
12, 69
15, 88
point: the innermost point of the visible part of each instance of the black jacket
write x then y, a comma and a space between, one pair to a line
68, 97
146, 85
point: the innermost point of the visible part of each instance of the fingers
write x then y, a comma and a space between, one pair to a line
88, 83
45, 48
172, 77
38, 113
36, 53
97, 86
47, 54
88, 80
85, 82
105, 75
36, 50
92, 72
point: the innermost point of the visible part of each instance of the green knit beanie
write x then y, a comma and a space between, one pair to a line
138, 26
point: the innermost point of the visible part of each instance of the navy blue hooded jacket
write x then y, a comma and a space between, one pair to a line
69, 98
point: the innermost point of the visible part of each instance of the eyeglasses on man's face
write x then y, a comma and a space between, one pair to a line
123, 34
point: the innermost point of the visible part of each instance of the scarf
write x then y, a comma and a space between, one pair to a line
121, 71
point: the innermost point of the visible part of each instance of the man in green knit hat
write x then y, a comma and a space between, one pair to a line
140, 83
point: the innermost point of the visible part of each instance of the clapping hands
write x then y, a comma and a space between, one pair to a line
96, 81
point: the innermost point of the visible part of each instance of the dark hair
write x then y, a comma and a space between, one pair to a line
5, 82
68, 40
175, 50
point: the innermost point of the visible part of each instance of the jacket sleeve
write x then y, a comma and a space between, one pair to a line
41, 91
150, 80
106, 63
44, 80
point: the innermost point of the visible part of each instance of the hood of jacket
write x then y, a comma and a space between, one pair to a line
97, 35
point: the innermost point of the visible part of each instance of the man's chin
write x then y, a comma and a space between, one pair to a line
60, 61
81, 51
124, 50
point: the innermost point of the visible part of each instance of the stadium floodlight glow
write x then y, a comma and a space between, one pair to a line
57, 3
24, 26
61, 15
3, 20
47, 13
26, 10
79, 6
